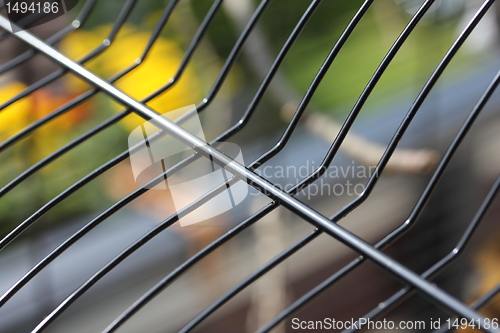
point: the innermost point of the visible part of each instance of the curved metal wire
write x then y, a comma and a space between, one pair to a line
207, 197
311, 177
285, 254
389, 265
247, 281
305, 240
438, 174
156, 31
163, 284
104, 215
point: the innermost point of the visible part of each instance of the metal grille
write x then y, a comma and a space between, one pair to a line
414, 283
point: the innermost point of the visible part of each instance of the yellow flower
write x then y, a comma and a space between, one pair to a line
17, 115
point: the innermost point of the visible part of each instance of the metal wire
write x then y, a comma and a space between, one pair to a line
413, 281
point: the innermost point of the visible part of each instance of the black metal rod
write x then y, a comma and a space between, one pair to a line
140, 242
457, 250
249, 221
395, 269
233, 55
483, 300
156, 31
427, 193
24, 225
114, 208
282, 142
51, 204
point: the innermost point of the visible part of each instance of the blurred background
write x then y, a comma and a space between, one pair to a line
448, 213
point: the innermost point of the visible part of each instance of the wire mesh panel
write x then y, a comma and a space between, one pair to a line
118, 79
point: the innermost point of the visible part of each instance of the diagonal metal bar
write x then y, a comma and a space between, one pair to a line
156, 31
273, 151
258, 182
443, 64
417, 209
278, 61
386, 263
249, 221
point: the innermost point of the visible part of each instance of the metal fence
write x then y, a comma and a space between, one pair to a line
414, 283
